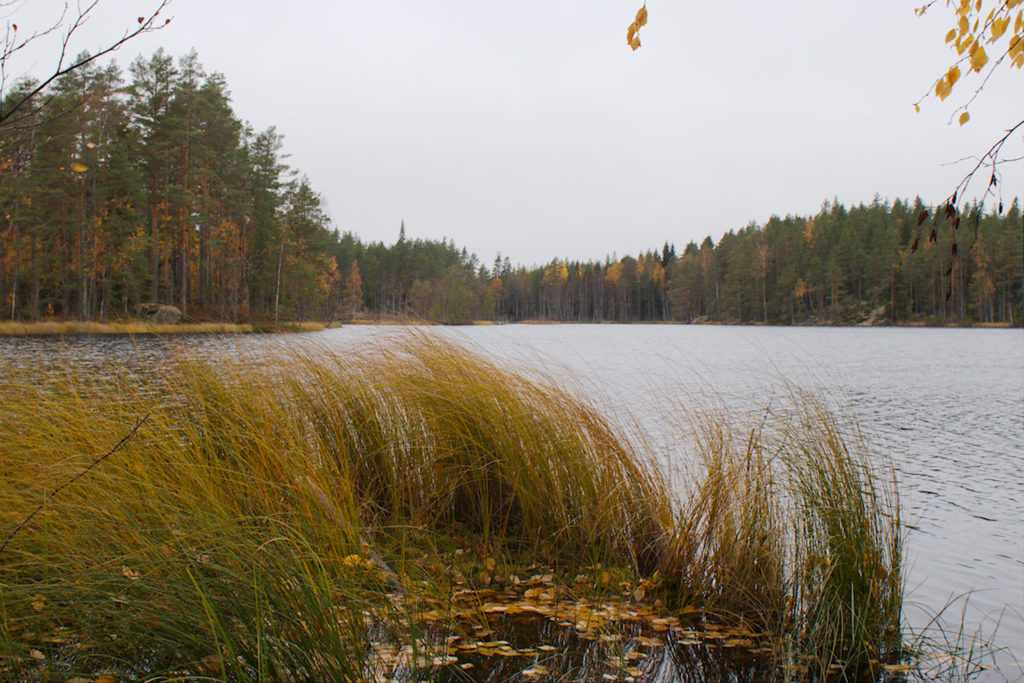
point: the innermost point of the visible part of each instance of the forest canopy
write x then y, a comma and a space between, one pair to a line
122, 189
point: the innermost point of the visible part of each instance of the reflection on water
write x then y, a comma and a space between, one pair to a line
946, 404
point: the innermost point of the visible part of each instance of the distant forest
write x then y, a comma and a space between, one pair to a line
118, 192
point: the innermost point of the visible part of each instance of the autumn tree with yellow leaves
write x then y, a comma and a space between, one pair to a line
986, 36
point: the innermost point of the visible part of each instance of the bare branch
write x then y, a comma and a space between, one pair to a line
145, 25
989, 159
73, 479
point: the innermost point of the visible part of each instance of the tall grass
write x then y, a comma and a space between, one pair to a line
794, 526
231, 535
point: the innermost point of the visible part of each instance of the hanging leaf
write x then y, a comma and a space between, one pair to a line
635, 43
978, 58
999, 27
641, 16
953, 75
922, 217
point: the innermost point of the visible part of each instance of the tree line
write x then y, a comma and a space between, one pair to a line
881, 262
117, 192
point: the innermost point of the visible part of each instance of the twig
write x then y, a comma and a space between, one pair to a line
73, 479
146, 25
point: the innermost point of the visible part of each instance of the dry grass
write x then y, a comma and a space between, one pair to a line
225, 537
54, 328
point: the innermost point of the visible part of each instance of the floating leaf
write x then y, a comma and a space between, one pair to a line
898, 668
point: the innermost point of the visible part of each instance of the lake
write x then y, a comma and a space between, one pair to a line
946, 405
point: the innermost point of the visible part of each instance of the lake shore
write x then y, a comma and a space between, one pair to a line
137, 327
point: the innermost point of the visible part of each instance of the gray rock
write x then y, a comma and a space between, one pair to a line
159, 314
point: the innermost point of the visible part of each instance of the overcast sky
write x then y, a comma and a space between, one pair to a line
531, 129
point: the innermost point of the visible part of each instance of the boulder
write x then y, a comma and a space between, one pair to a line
159, 314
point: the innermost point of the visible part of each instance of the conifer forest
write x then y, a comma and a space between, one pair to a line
118, 189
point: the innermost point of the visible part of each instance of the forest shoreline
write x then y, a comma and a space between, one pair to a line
87, 328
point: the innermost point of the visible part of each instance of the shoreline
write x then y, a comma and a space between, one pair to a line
62, 328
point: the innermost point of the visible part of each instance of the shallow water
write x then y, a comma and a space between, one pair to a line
947, 405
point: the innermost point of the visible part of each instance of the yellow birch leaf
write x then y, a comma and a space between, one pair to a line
979, 59
951, 36
1018, 23
631, 33
917, 109
999, 27
942, 89
79, 168
635, 43
963, 25
952, 76
641, 16
1016, 45
964, 118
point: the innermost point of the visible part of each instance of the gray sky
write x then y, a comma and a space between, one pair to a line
531, 129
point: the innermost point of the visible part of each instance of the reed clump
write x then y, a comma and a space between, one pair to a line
792, 525
264, 517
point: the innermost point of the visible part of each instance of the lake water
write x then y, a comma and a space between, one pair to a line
946, 405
